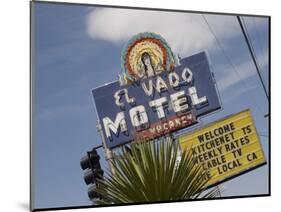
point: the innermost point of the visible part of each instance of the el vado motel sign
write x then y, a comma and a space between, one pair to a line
156, 94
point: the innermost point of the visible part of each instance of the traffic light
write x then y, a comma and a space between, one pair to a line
91, 164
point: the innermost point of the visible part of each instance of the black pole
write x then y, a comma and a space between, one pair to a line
97, 147
252, 55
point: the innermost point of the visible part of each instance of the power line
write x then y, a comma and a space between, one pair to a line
250, 42
226, 56
220, 46
263, 135
262, 48
252, 55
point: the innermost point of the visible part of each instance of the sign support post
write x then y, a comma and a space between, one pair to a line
108, 152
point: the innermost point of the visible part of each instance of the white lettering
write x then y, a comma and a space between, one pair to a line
179, 101
138, 116
148, 90
119, 122
158, 105
174, 79
187, 75
194, 97
118, 94
160, 84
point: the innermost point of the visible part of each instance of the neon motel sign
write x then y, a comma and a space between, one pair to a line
156, 105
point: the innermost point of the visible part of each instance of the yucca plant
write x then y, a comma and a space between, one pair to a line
150, 172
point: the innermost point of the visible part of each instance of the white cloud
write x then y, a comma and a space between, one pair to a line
185, 32
238, 92
228, 76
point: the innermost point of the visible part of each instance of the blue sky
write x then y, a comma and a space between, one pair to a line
77, 48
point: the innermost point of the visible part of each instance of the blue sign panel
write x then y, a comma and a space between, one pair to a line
157, 105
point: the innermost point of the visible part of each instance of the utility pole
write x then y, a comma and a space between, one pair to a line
252, 55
